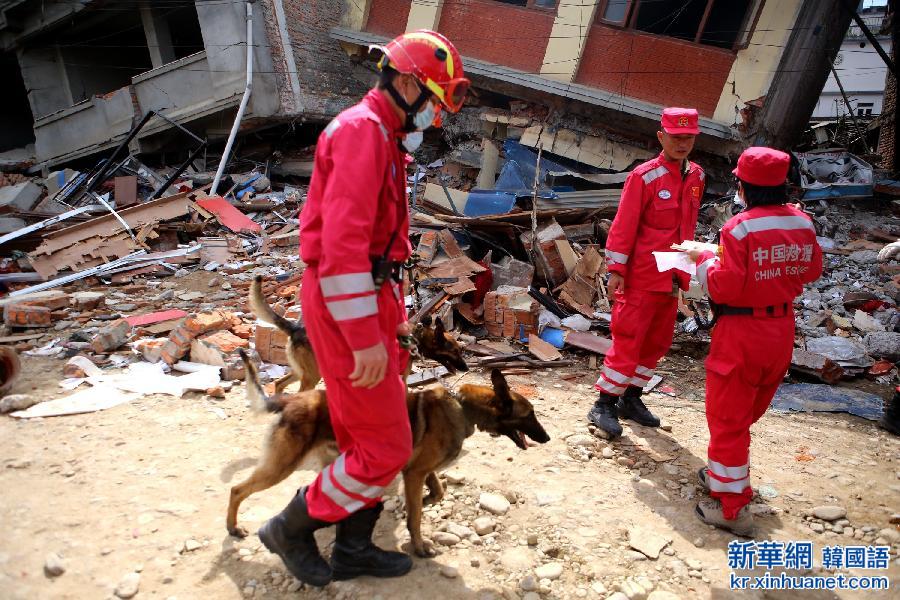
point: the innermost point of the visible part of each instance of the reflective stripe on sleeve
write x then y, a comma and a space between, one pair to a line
616, 257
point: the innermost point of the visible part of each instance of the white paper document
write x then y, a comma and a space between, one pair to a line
675, 260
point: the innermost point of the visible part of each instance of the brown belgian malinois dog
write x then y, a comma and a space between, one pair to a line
440, 420
432, 342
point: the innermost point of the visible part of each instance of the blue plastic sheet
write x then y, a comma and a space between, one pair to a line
817, 397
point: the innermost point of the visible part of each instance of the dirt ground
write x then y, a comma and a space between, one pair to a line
143, 488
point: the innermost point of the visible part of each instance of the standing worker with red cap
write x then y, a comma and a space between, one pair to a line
768, 253
354, 232
658, 208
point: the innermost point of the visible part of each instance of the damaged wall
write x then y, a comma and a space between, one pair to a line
329, 80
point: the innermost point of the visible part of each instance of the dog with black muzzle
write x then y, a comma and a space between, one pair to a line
440, 420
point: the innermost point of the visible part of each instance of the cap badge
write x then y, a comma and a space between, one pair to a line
682, 121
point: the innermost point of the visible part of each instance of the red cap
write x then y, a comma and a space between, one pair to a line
680, 121
763, 166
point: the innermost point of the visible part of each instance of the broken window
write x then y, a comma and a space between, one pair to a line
15, 112
721, 23
101, 52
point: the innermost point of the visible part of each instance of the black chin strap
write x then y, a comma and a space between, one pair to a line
410, 109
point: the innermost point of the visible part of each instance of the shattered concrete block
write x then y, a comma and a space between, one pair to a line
884, 344
111, 337
216, 348
151, 349
23, 314
19, 198
86, 300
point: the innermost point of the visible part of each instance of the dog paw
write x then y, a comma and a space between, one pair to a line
239, 532
424, 549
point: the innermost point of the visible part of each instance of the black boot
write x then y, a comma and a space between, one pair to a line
290, 536
354, 553
890, 421
605, 416
632, 407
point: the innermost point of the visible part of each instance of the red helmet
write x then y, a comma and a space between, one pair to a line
433, 60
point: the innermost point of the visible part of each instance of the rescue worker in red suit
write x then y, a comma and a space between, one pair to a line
354, 233
768, 252
659, 208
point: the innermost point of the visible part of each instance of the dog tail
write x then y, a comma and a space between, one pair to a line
259, 401
264, 312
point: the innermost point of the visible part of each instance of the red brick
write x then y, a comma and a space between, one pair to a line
388, 17
224, 341
203, 322
26, 315
242, 330
500, 33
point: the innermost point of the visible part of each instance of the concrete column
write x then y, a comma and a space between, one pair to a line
424, 14
490, 156
356, 14
567, 39
159, 39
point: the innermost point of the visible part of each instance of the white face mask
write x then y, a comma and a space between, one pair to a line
425, 117
739, 200
413, 140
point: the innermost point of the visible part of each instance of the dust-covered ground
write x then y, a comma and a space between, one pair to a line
137, 493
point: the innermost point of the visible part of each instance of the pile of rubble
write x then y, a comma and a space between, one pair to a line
127, 263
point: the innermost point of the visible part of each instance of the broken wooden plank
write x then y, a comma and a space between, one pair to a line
228, 215
588, 341
596, 151
449, 244
541, 349
429, 307
462, 266
12, 339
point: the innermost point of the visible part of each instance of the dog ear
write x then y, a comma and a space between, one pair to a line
502, 397
426, 320
439, 332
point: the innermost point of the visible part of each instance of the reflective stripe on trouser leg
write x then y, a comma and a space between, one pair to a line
729, 414
371, 426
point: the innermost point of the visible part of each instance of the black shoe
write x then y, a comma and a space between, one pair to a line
890, 421
290, 536
632, 407
354, 553
605, 416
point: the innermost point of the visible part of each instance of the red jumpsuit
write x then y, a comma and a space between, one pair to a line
769, 252
658, 208
356, 201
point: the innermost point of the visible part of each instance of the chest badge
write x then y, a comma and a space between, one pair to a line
664, 194
695, 191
